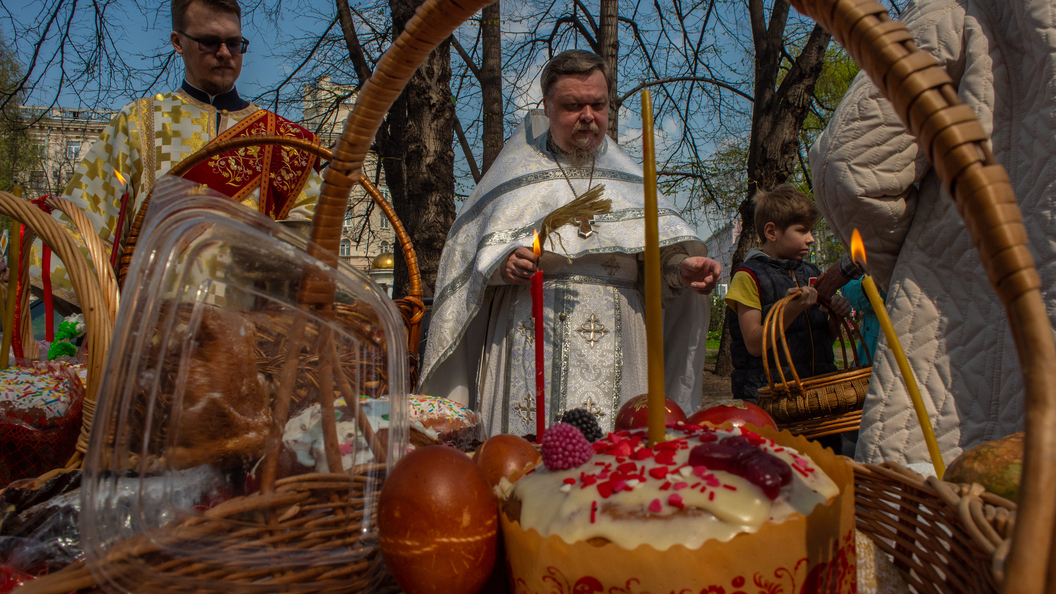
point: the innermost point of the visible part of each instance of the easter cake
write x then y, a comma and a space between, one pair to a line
709, 502
431, 419
38, 397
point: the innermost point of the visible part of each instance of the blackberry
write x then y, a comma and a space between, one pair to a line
581, 419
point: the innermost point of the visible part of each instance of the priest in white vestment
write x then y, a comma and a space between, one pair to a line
480, 349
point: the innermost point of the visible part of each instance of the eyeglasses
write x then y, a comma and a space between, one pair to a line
211, 45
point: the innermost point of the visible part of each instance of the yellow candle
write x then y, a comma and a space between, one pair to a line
15, 243
907, 373
654, 330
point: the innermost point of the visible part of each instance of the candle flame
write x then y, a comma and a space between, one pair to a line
120, 177
537, 248
857, 247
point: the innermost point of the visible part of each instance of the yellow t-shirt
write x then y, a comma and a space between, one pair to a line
743, 290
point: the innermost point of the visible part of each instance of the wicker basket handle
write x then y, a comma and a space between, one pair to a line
85, 285
774, 330
100, 262
926, 100
433, 22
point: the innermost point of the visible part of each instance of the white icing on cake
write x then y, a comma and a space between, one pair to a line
633, 495
25, 389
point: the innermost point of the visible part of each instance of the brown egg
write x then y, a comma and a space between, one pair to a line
507, 456
438, 523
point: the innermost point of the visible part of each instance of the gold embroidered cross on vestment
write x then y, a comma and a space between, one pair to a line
592, 330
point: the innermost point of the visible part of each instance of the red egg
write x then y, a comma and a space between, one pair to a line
737, 412
635, 413
438, 523
505, 456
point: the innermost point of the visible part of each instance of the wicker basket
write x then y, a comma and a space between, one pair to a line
95, 302
815, 400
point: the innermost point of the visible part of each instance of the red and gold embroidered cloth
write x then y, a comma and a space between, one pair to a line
278, 171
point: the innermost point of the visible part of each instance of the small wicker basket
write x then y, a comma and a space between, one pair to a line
820, 404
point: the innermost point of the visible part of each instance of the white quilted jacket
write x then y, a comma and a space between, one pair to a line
868, 173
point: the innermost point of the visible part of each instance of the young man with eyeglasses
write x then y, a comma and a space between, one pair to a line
151, 135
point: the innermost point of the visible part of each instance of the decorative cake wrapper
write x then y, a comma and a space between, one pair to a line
800, 555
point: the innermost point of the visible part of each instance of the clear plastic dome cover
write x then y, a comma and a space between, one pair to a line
240, 440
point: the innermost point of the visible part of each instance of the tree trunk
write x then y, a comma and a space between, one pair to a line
491, 83
609, 42
777, 115
746, 241
418, 159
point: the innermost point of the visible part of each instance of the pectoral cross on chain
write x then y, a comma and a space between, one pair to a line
586, 226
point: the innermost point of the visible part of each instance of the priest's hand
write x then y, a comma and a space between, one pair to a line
700, 274
519, 267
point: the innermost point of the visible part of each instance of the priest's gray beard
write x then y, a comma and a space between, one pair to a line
583, 153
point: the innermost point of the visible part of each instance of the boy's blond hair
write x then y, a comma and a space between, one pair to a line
783, 206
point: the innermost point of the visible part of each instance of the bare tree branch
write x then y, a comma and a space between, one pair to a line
664, 81
467, 151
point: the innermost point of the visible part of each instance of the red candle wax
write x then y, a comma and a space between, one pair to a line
540, 348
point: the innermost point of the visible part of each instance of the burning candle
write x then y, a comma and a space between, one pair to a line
654, 332
540, 348
858, 253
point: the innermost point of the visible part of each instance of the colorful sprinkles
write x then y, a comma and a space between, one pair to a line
26, 390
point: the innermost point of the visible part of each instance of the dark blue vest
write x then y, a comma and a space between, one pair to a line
808, 335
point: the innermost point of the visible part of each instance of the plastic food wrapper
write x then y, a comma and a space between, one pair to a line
38, 528
46, 538
802, 554
193, 478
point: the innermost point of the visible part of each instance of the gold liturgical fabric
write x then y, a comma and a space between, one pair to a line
173, 125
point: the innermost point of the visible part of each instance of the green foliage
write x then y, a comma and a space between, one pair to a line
837, 74
17, 151
718, 310
716, 185
67, 330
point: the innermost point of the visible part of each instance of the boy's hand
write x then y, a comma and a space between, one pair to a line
839, 305
700, 274
807, 298
519, 266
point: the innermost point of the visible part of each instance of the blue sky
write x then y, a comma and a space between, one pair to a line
138, 32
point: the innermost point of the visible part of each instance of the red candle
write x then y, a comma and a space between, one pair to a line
540, 348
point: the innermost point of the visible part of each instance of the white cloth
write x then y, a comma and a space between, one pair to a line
869, 174
480, 350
